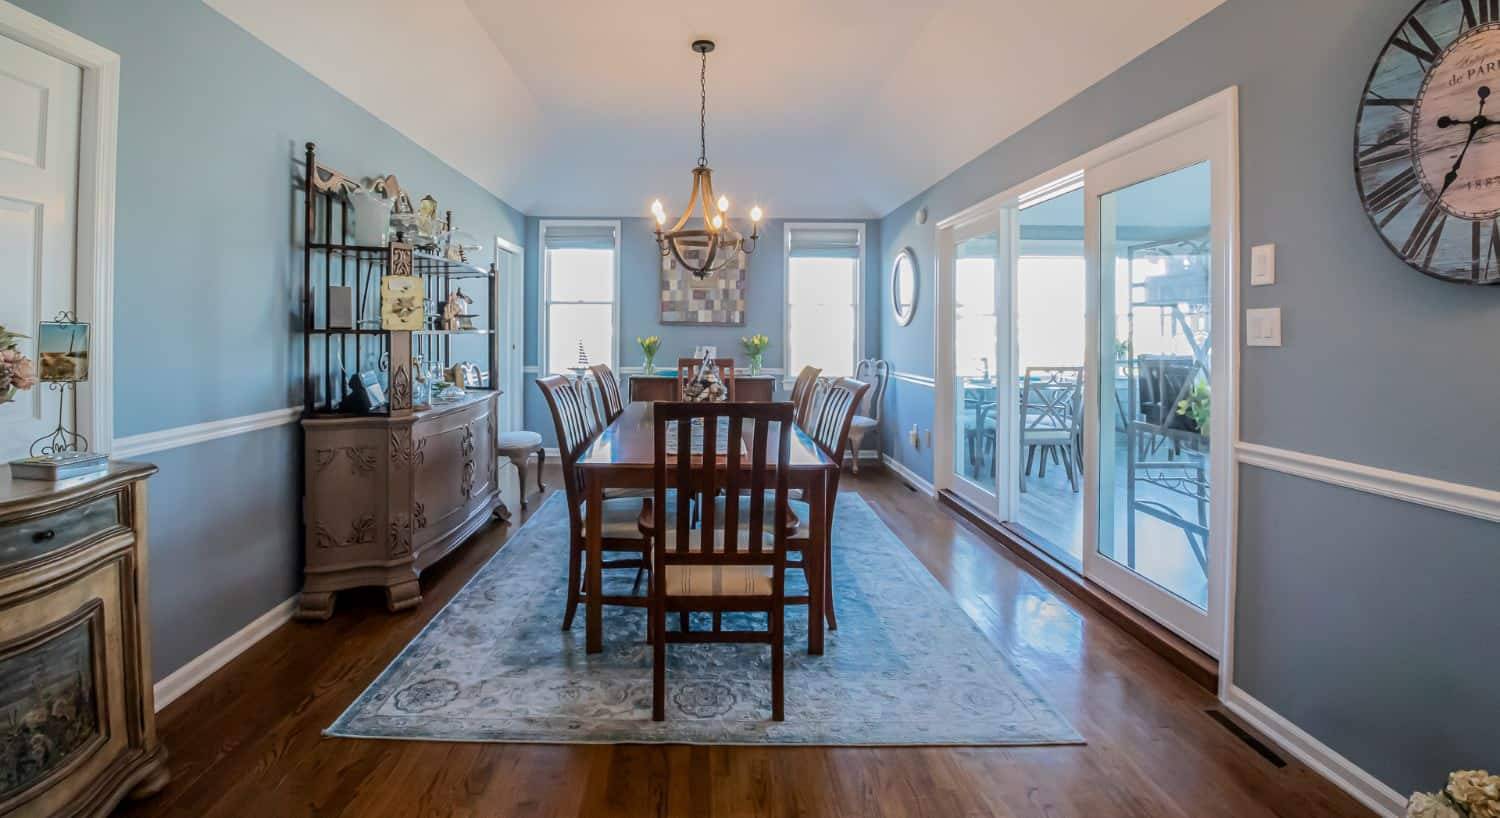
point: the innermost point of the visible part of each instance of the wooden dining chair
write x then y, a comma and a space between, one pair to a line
577, 425
877, 373
610, 404
802, 392
725, 564
828, 425
687, 369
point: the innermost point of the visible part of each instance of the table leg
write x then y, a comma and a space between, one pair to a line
817, 577
593, 570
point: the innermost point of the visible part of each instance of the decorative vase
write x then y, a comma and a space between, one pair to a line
649, 367
755, 363
372, 217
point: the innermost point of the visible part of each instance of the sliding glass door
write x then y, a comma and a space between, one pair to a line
1161, 233
1085, 366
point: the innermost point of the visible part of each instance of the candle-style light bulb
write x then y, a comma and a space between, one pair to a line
718, 221
661, 218
755, 213
657, 209
723, 204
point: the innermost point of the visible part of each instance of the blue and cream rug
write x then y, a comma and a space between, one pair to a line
905, 667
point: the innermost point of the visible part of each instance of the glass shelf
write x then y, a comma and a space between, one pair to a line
423, 262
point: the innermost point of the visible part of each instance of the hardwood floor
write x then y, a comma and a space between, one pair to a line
247, 742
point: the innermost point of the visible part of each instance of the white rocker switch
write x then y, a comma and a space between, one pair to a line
1263, 327
1262, 265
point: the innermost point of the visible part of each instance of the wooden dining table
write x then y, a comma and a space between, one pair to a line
623, 456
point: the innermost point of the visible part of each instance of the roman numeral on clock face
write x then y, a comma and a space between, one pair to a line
1423, 242
1395, 193
1415, 40
1479, 12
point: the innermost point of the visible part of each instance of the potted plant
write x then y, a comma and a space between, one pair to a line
755, 347
16, 370
1196, 407
649, 345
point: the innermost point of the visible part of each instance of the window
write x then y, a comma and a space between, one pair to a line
580, 286
824, 274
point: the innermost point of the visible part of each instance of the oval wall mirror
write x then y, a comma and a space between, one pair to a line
904, 286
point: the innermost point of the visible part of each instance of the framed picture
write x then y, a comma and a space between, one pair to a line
63, 351
705, 352
716, 299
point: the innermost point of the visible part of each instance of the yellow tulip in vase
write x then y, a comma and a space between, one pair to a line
649, 345
755, 347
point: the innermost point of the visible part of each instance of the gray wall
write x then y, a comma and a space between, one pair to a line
640, 311
206, 288
1345, 600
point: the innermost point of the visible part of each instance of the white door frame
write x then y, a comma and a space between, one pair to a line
1221, 109
94, 264
510, 347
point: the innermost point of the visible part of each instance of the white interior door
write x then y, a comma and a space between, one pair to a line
1158, 432
510, 286
40, 97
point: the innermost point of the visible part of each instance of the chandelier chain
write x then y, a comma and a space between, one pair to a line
703, 111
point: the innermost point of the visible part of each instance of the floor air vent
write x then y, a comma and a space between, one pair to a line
1250, 741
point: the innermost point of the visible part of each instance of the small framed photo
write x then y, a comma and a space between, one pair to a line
63, 351
705, 352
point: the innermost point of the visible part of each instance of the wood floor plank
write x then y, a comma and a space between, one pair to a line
248, 741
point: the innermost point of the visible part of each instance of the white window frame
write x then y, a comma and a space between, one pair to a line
791, 368
544, 305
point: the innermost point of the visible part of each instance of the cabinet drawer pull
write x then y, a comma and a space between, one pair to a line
43, 536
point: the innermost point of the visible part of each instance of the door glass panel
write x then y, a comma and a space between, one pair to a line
1154, 415
974, 328
1050, 336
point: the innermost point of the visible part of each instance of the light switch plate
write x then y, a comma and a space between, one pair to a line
1263, 327
1262, 265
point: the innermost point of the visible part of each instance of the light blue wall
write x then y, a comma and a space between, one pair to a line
207, 271
1342, 597
640, 313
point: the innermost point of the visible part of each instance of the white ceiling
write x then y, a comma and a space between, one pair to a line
842, 108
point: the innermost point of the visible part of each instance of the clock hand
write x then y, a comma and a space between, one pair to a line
1479, 121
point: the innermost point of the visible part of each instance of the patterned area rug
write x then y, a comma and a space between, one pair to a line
905, 667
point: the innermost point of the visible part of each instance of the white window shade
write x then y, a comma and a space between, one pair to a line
818, 242
579, 237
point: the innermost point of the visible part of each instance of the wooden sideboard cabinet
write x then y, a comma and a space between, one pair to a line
387, 496
77, 716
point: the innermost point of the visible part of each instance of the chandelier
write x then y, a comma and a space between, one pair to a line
709, 249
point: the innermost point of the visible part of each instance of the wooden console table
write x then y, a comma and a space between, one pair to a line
751, 388
77, 714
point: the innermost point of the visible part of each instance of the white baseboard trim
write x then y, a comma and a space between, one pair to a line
909, 476
1323, 760
553, 452
189, 675
151, 442
1459, 498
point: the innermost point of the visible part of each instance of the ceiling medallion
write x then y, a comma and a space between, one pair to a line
709, 249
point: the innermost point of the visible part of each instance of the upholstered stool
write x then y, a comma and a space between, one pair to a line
519, 446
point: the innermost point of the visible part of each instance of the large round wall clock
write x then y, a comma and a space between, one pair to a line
1427, 143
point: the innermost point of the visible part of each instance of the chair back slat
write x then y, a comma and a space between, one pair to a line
733, 484
611, 404
832, 414
757, 528
802, 392
577, 425
707, 485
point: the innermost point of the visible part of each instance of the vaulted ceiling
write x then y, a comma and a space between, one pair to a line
839, 108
